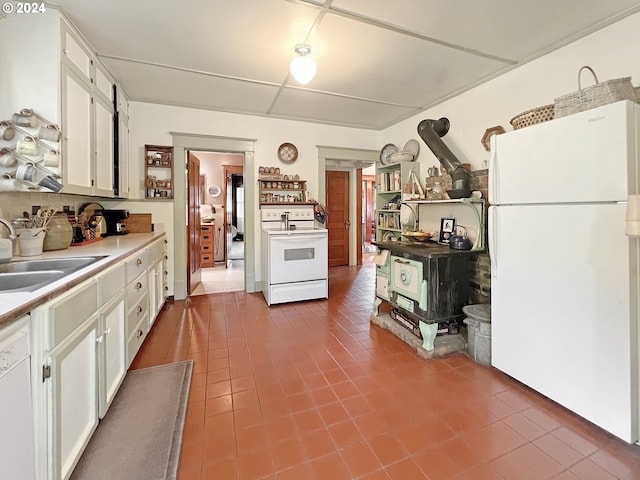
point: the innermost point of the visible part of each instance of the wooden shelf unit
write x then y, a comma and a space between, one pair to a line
158, 172
274, 190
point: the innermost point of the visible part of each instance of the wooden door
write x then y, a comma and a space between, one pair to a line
338, 223
193, 223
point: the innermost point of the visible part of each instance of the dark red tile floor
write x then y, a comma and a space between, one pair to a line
312, 390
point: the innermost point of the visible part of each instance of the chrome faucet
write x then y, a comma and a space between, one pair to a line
12, 232
284, 217
6, 246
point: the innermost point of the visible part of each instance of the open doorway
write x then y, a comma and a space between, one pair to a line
368, 213
354, 161
221, 209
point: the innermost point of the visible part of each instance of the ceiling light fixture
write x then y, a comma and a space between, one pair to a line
303, 68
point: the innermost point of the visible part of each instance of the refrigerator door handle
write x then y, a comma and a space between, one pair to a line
492, 242
492, 169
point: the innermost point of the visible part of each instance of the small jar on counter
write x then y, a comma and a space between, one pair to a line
59, 233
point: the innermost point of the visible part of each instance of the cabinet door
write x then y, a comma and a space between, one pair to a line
104, 148
112, 351
152, 289
103, 83
123, 156
159, 271
76, 146
76, 55
73, 397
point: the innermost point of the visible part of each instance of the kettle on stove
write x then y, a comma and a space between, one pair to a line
460, 242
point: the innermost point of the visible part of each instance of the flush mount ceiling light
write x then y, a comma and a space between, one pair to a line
303, 68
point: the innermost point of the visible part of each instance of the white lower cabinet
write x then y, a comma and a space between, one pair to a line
73, 397
67, 395
145, 293
83, 343
112, 355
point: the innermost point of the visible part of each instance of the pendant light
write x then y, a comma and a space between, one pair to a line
303, 68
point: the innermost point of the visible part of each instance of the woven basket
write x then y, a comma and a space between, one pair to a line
533, 116
602, 93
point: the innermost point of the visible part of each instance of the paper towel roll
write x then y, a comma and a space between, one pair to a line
633, 207
632, 228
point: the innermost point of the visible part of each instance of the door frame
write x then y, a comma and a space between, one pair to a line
352, 160
182, 142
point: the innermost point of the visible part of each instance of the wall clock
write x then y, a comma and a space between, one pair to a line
287, 152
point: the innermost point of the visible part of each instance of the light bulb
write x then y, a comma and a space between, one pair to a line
303, 68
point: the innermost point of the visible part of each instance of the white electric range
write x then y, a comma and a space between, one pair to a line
294, 255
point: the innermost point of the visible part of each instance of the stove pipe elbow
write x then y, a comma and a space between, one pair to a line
430, 131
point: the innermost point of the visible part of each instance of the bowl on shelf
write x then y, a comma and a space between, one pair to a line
459, 193
417, 236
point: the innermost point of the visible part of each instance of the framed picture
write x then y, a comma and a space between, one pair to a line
447, 228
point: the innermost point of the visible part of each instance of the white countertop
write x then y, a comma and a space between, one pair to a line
114, 248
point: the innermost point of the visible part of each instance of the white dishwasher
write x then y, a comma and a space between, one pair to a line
16, 420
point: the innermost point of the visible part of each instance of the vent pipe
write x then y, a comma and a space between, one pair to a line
430, 131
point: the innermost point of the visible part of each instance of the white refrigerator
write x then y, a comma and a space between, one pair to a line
564, 277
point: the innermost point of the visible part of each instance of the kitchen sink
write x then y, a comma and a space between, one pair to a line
27, 281
43, 264
30, 275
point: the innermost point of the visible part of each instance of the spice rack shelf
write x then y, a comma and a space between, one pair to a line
158, 170
275, 190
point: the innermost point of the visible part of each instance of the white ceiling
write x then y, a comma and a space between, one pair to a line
379, 61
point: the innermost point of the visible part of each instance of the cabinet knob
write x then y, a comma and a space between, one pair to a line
166, 257
166, 288
107, 331
138, 286
99, 339
138, 262
139, 309
166, 241
140, 333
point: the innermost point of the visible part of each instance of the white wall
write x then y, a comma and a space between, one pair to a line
152, 124
611, 52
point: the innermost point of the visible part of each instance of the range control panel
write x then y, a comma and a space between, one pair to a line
271, 214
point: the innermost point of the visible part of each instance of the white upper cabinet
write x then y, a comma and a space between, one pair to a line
76, 134
67, 85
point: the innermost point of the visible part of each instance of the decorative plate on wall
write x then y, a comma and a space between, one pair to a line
215, 190
287, 152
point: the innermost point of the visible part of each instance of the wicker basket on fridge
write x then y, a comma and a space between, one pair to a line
533, 116
602, 93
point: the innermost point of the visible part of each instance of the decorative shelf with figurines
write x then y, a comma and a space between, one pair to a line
30, 153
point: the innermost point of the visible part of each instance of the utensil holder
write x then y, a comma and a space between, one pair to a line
30, 241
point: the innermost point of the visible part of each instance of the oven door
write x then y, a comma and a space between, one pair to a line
298, 257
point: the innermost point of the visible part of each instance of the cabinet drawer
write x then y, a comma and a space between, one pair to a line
137, 313
135, 341
111, 283
206, 248
206, 260
68, 313
137, 264
136, 290
206, 237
